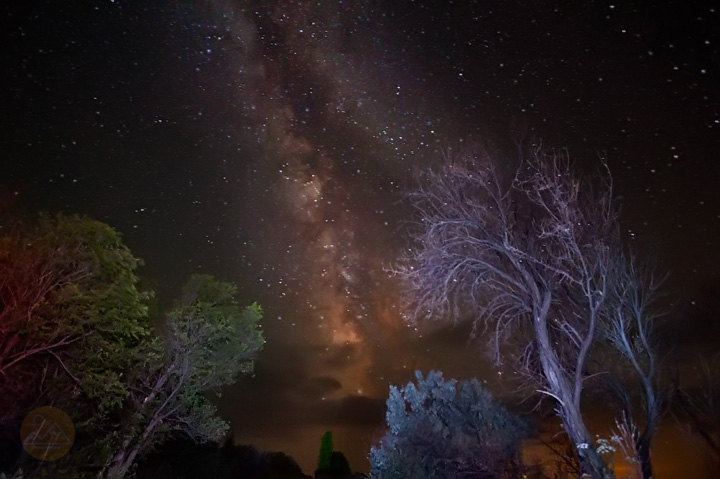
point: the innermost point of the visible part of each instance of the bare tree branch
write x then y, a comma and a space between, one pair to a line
700, 409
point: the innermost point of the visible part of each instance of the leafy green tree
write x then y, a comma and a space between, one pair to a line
439, 429
72, 321
209, 340
70, 314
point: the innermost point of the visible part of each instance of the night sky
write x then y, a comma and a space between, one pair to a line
271, 143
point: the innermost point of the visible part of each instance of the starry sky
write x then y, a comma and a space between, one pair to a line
271, 143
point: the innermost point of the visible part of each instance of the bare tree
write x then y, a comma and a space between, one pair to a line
629, 328
529, 252
563, 462
701, 409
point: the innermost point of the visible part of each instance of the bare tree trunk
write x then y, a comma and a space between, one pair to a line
594, 465
630, 331
643, 450
568, 404
115, 470
644, 441
569, 409
124, 458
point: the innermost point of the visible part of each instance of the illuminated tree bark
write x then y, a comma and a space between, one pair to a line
529, 253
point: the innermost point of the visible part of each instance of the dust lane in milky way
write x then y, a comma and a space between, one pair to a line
332, 147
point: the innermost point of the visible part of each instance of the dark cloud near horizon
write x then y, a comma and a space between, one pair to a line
287, 400
350, 411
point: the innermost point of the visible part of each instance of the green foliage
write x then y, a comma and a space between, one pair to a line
439, 430
74, 323
210, 329
209, 341
72, 313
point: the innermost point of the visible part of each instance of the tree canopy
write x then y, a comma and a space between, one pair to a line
210, 340
71, 314
75, 333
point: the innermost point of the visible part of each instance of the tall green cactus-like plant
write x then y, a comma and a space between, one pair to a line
326, 449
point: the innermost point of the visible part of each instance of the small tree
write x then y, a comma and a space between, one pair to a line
326, 449
629, 328
209, 341
439, 429
699, 411
331, 464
